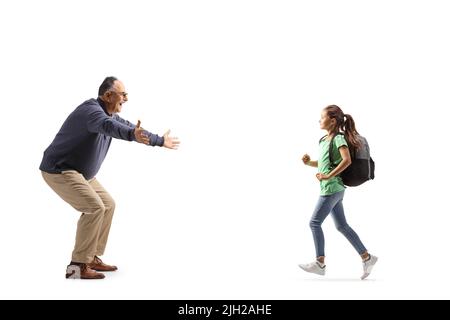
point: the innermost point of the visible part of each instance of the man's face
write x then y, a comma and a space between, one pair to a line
116, 96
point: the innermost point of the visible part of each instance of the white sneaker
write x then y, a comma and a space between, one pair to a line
314, 267
368, 266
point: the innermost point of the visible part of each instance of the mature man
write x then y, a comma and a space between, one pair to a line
73, 159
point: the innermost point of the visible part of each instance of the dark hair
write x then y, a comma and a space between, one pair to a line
344, 123
106, 85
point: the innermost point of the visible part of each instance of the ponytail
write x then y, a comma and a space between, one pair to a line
350, 132
345, 124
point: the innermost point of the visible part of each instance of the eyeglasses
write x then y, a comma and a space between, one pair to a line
123, 94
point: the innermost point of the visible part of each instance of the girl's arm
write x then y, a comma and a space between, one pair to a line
307, 160
312, 164
346, 161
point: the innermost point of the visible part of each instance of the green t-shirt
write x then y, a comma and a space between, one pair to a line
334, 184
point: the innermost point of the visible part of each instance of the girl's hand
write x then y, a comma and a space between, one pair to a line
306, 159
321, 176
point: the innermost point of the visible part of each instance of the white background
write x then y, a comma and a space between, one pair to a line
242, 83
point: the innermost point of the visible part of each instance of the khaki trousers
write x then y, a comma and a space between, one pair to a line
96, 206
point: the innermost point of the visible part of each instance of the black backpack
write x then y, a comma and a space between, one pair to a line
362, 167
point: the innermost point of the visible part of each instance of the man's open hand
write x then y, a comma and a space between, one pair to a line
140, 135
170, 142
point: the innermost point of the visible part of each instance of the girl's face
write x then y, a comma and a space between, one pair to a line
326, 123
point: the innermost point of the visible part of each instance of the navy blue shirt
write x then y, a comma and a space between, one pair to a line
84, 139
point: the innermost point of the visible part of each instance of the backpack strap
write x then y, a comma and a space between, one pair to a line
330, 151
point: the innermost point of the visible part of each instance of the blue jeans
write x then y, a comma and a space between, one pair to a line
332, 203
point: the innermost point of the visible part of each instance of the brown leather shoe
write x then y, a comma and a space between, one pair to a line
82, 271
98, 265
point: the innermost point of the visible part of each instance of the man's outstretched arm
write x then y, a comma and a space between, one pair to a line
154, 140
99, 122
